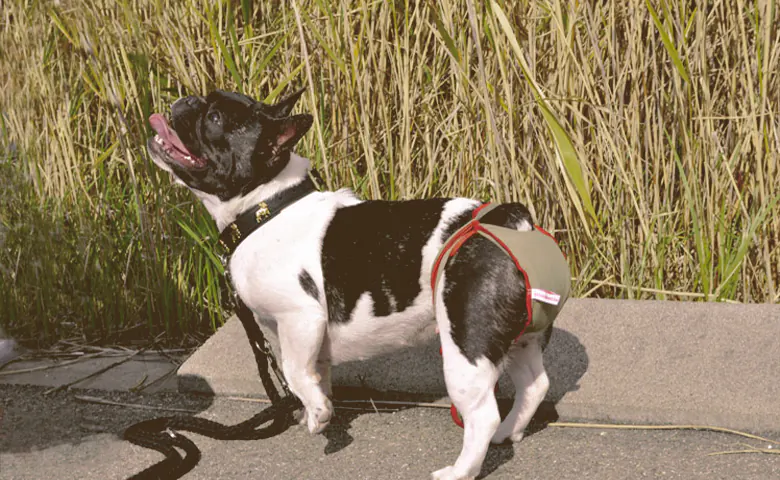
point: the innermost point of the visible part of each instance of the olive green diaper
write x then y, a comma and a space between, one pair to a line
537, 256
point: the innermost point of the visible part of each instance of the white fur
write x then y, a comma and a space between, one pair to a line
471, 390
525, 368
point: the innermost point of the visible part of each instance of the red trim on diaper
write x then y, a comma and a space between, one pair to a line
457, 241
549, 235
472, 228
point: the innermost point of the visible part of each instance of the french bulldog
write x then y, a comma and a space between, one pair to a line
341, 279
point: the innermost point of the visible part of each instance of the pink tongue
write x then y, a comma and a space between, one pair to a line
160, 125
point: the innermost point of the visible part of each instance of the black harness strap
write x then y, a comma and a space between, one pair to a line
161, 434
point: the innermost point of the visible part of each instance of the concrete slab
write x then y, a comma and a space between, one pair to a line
143, 369
612, 360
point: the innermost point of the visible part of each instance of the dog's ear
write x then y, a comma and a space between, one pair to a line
291, 129
283, 107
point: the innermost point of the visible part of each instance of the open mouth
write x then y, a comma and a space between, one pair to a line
171, 144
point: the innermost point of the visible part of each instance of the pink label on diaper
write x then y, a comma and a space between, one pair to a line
545, 296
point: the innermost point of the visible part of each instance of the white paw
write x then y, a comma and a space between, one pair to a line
319, 417
449, 473
300, 416
501, 436
516, 437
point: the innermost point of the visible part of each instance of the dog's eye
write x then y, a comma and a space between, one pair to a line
214, 117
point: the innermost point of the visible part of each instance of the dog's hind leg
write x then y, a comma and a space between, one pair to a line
300, 340
471, 389
525, 368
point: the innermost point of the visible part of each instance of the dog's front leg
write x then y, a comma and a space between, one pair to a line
324, 368
300, 339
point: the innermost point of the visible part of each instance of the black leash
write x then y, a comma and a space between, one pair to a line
161, 434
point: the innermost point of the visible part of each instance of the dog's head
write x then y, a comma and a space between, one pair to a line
226, 144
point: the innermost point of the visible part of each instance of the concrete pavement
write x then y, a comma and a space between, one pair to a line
149, 372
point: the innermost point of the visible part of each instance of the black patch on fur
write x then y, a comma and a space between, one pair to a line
485, 292
308, 285
376, 247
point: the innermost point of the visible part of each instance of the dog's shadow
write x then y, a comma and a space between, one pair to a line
565, 360
337, 432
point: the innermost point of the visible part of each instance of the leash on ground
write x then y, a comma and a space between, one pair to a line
162, 434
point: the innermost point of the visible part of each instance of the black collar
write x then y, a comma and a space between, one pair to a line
257, 216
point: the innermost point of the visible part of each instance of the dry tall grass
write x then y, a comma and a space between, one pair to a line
644, 134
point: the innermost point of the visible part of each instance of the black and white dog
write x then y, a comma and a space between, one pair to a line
343, 279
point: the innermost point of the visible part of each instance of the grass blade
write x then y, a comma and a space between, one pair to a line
207, 249
668, 44
561, 139
445, 35
216, 38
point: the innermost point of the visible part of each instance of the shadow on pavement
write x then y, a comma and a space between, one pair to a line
30, 420
565, 359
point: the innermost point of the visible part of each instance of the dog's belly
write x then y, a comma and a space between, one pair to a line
367, 335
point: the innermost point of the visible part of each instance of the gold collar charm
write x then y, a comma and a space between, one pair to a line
235, 233
262, 212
